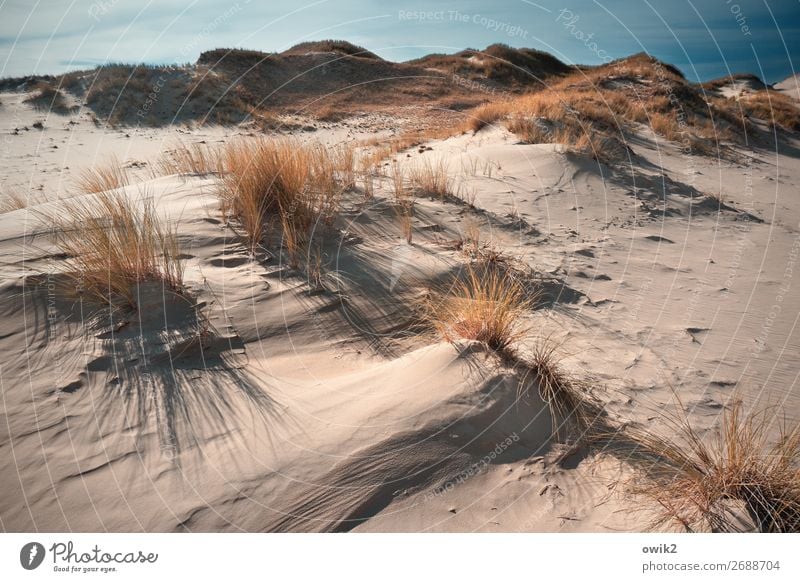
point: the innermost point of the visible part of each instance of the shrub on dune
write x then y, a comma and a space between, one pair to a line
49, 99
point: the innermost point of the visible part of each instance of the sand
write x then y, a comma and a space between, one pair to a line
790, 86
325, 411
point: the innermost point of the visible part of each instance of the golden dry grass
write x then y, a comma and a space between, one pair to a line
694, 480
432, 178
572, 410
405, 216
665, 125
484, 305
114, 244
572, 118
399, 183
588, 108
343, 158
368, 184
403, 202
294, 239
11, 200
471, 235
109, 176
484, 115
776, 109
298, 184
196, 158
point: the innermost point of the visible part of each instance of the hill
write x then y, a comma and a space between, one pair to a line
330, 80
327, 79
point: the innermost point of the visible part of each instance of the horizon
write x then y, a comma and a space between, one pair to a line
707, 40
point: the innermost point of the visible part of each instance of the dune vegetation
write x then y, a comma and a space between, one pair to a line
596, 110
698, 481
115, 243
368, 242
482, 304
298, 185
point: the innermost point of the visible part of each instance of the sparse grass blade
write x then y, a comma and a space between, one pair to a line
11, 200
432, 178
196, 158
109, 176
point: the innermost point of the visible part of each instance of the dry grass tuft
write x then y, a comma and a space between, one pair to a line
295, 238
110, 176
432, 178
484, 305
300, 185
593, 110
399, 183
405, 216
367, 171
115, 244
484, 115
403, 202
471, 236
577, 119
343, 158
695, 481
572, 410
775, 108
49, 99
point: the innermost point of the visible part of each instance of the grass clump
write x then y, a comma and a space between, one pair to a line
110, 176
483, 304
695, 481
49, 99
594, 110
114, 244
405, 217
298, 185
403, 203
572, 411
432, 178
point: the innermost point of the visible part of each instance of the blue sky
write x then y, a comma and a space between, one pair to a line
705, 38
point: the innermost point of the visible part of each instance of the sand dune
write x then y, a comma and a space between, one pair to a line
263, 400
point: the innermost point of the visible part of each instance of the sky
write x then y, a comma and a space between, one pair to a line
704, 38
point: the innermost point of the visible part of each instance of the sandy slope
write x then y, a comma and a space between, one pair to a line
326, 411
